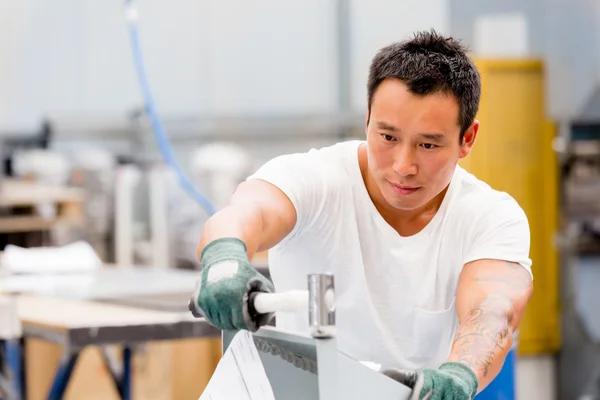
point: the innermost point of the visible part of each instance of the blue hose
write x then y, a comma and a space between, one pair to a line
159, 133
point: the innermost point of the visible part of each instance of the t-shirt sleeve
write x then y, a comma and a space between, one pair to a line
502, 234
303, 178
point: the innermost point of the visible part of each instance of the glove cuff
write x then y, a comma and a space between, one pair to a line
252, 318
223, 249
463, 372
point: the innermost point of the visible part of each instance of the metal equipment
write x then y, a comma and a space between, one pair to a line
312, 368
579, 358
13, 142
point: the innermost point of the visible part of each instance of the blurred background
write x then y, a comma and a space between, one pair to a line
92, 178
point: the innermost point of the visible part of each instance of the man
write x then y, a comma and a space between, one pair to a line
431, 264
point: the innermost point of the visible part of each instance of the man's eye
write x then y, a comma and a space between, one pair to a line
387, 138
429, 146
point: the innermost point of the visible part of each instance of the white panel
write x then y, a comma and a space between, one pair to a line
566, 35
272, 56
173, 40
570, 50
13, 27
377, 23
225, 56
40, 61
108, 80
56, 32
213, 56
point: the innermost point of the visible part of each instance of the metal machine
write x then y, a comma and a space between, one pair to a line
311, 368
579, 358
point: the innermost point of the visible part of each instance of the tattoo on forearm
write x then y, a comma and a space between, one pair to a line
485, 333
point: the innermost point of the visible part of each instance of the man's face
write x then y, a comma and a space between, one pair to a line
413, 144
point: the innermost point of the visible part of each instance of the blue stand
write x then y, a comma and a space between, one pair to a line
12, 349
65, 370
61, 380
503, 386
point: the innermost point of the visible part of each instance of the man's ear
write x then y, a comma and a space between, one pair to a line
469, 139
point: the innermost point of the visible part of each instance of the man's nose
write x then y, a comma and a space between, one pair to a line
405, 162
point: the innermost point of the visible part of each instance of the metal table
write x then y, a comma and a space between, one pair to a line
121, 306
116, 284
76, 324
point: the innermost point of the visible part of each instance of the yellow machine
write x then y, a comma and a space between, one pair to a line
513, 153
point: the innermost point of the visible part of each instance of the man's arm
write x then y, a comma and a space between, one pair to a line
490, 301
258, 213
257, 217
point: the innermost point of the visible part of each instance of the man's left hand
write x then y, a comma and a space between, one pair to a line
452, 380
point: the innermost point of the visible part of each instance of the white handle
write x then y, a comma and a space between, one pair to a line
294, 300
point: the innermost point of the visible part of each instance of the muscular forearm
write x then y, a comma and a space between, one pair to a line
484, 338
490, 300
258, 213
242, 221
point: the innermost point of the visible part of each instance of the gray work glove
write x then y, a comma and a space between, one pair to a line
224, 293
452, 380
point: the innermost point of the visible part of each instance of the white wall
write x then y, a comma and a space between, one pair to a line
69, 57
40, 52
570, 45
266, 56
228, 56
377, 23
565, 33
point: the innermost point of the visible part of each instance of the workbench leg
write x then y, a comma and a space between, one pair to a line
122, 377
125, 386
61, 380
13, 352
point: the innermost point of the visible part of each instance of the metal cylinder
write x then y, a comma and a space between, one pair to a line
321, 305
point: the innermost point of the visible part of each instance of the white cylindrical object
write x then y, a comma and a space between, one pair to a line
292, 301
159, 224
220, 167
126, 180
10, 325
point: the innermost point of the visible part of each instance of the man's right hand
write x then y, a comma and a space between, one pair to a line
223, 291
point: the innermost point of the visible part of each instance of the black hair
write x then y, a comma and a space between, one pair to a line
430, 63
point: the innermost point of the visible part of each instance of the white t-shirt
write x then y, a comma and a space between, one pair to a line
395, 296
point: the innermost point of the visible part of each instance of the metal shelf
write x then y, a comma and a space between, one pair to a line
209, 127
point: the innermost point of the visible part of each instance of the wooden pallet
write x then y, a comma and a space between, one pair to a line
19, 200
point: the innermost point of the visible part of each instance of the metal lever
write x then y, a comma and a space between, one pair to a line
294, 300
319, 300
321, 307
